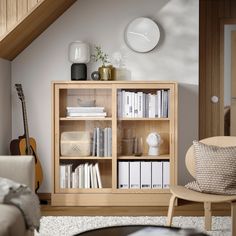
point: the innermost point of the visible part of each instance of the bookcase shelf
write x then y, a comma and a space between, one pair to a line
106, 94
142, 119
145, 157
84, 190
136, 191
85, 118
89, 158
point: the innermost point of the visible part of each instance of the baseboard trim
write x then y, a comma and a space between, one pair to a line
45, 198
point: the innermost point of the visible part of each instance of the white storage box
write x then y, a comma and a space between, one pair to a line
75, 143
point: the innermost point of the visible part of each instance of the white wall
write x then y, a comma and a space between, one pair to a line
103, 22
5, 106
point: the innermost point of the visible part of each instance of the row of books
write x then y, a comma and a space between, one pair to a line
84, 176
140, 104
86, 112
102, 142
143, 174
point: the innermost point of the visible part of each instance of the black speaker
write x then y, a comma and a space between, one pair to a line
78, 71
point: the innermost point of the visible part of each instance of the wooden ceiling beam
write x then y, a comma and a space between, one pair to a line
15, 41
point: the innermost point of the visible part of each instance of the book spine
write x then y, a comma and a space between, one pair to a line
132, 103
109, 138
62, 176
77, 176
98, 176
151, 105
74, 181
156, 106
168, 103
81, 176
105, 142
119, 102
159, 103
86, 174
94, 142
98, 141
101, 143
127, 104
162, 102
140, 104
123, 103
94, 177
146, 105
135, 105
91, 176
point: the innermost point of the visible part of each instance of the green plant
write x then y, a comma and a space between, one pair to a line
99, 55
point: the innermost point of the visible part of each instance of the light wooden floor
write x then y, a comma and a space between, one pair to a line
183, 209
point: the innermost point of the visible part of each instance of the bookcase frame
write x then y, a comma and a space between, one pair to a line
112, 196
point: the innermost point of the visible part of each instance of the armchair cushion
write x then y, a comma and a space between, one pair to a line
18, 168
215, 169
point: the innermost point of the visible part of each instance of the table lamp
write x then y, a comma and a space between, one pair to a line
79, 55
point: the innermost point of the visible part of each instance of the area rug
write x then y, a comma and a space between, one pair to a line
66, 225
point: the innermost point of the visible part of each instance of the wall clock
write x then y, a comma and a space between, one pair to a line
142, 34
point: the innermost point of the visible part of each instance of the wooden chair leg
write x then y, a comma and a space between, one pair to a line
233, 215
171, 210
208, 214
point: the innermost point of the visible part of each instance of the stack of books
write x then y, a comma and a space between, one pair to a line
86, 112
140, 104
102, 142
143, 174
84, 176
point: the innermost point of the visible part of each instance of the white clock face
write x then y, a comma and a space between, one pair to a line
142, 34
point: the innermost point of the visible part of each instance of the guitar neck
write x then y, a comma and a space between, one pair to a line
28, 151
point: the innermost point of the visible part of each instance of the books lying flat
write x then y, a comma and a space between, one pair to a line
85, 109
87, 114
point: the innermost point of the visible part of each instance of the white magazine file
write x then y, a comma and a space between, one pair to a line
134, 180
146, 174
123, 174
157, 175
166, 174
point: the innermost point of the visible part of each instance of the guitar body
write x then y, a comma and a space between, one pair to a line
14, 147
38, 168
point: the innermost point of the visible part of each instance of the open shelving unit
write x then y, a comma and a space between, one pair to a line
105, 94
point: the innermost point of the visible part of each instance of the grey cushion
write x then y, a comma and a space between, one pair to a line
215, 169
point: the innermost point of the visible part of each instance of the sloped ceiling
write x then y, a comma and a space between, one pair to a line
20, 32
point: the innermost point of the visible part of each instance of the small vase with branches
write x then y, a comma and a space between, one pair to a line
105, 71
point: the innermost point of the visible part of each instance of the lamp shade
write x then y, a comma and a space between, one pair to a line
79, 52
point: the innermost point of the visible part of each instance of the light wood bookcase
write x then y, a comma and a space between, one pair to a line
66, 93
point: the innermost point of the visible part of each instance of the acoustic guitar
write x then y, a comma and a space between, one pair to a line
26, 145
